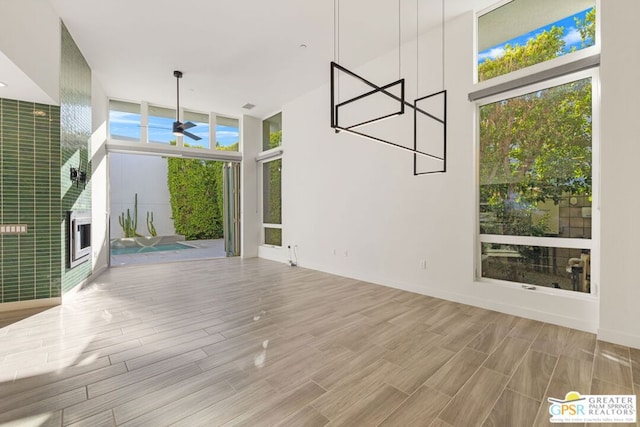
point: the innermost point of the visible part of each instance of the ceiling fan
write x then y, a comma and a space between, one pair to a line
180, 128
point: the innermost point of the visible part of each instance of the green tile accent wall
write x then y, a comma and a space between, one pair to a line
75, 134
30, 194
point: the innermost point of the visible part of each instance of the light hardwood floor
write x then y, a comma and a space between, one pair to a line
233, 342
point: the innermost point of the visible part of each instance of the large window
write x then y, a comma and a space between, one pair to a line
522, 33
144, 123
536, 145
271, 163
272, 202
536, 186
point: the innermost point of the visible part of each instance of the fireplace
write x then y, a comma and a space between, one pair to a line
79, 237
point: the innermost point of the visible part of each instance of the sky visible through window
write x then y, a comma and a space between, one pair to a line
571, 37
124, 125
127, 126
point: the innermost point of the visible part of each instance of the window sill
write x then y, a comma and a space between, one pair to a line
561, 66
523, 287
270, 154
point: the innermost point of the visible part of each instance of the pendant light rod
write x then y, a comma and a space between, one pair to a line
443, 42
178, 75
336, 31
399, 39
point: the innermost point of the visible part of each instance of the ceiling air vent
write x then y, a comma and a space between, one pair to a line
248, 106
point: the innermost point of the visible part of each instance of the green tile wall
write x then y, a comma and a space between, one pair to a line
38, 145
75, 134
30, 194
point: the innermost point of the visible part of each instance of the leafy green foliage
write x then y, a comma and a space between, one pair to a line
275, 139
587, 28
272, 181
547, 45
196, 195
273, 236
534, 147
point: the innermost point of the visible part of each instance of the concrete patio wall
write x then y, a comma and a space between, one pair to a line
147, 176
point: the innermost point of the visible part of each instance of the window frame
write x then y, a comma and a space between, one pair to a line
183, 113
144, 146
147, 115
559, 242
262, 142
213, 129
140, 113
541, 67
263, 157
260, 165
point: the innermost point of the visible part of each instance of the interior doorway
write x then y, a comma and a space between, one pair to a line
169, 209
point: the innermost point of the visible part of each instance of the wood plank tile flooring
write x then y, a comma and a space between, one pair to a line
253, 342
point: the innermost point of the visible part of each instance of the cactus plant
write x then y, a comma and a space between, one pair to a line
129, 224
150, 226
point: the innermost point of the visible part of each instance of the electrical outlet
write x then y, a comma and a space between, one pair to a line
423, 264
346, 253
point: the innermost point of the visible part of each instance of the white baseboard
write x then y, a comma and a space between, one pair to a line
618, 337
541, 316
271, 253
32, 303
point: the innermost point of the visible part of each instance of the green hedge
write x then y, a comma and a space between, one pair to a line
196, 194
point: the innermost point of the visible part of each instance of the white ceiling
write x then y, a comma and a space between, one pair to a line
19, 85
235, 51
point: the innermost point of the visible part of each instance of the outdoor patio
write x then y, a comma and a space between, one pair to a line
198, 249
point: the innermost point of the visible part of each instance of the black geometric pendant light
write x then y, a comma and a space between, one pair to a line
429, 112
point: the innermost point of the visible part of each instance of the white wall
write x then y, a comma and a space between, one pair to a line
99, 177
620, 289
250, 218
354, 208
30, 38
146, 176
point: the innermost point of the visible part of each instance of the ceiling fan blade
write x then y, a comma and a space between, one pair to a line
157, 127
192, 136
188, 125
177, 127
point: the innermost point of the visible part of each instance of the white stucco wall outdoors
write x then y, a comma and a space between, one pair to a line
147, 176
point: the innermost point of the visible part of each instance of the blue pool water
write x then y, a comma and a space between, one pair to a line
148, 249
